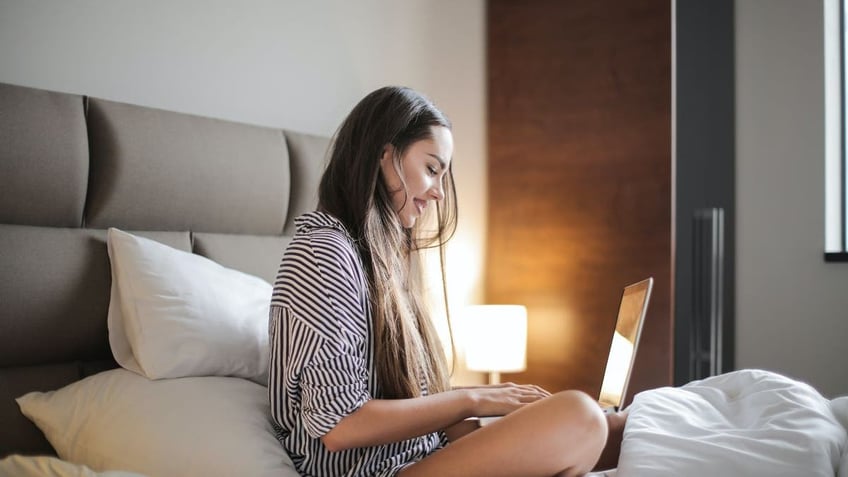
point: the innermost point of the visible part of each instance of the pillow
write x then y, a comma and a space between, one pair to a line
48, 466
748, 422
176, 314
201, 426
839, 406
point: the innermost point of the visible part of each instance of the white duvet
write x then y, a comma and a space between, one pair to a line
744, 423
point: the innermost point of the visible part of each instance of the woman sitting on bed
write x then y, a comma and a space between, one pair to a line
358, 382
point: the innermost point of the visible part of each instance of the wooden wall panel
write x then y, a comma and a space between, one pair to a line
579, 143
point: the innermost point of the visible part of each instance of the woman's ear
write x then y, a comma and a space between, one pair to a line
388, 153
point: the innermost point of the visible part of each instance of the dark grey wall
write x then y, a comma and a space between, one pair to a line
705, 156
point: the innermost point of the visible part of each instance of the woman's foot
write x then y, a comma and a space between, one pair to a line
612, 449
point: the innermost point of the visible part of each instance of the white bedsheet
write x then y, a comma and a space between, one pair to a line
46, 466
744, 423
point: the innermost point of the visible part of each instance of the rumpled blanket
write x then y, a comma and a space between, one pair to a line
743, 423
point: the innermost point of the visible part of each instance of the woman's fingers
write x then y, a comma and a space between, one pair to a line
541, 390
527, 399
504, 398
508, 385
532, 396
524, 394
535, 390
526, 386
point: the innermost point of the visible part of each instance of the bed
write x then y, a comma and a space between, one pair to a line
71, 168
119, 221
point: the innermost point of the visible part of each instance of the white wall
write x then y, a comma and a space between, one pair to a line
293, 64
792, 307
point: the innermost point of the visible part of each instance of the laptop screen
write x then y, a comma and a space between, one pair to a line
625, 340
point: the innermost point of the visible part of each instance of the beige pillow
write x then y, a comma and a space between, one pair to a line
198, 426
48, 466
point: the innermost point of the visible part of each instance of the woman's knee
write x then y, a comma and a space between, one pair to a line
573, 428
582, 414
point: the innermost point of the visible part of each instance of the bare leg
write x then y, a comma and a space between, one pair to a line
612, 449
560, 435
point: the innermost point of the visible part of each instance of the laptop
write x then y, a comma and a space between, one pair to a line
622, 353
625, 342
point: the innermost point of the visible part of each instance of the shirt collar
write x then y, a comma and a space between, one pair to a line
318, 220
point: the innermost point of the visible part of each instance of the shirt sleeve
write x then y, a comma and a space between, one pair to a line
327, 342
332, 386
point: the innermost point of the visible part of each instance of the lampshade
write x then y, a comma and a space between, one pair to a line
495, 338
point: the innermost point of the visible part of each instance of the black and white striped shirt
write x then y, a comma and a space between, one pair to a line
322, 363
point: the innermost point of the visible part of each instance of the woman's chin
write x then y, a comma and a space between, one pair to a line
408, 222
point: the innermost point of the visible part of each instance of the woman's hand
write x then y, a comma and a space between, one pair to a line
502, 399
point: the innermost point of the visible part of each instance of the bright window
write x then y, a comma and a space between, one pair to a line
836, 104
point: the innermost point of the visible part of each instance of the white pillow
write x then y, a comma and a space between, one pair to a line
203, 426
48, 466
175, 314
839, 406
748, 422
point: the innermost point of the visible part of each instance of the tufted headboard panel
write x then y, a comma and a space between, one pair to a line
73, 166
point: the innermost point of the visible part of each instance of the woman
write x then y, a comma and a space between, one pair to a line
359, 382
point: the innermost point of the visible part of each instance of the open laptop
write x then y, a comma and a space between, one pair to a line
622, 353
625, 342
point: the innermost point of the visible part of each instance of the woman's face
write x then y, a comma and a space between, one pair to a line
423, 167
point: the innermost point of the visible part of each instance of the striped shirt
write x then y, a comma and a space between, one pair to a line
322, 357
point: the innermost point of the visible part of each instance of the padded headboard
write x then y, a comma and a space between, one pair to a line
72, 166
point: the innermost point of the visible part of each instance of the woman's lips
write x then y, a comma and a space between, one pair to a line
420, 205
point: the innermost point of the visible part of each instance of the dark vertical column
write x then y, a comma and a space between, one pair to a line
705, 163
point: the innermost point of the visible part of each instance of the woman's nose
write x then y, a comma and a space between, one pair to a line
438, 191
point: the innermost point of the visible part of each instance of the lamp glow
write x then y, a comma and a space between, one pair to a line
495, 339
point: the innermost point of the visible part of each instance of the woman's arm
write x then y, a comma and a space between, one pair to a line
461, 428
382, 421
467, 426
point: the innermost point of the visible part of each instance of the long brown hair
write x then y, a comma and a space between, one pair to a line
406, 346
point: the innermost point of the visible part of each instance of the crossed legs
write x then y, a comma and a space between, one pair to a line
562, 435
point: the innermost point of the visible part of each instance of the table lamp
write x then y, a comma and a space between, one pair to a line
495, 339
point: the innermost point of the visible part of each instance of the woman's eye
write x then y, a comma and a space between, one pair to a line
432, 170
